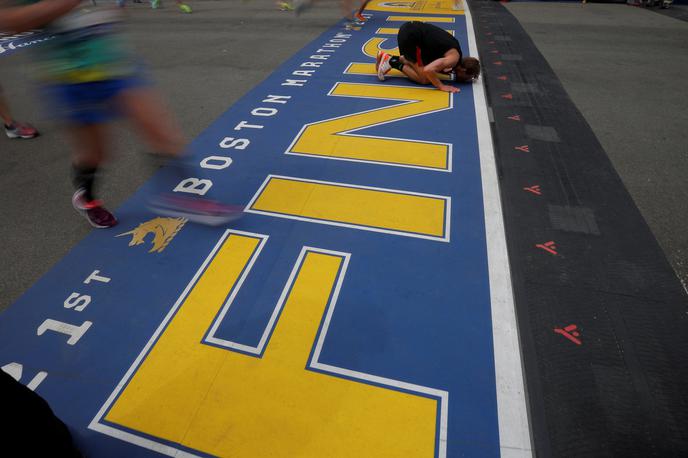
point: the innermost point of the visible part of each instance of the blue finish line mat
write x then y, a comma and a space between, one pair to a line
361, 307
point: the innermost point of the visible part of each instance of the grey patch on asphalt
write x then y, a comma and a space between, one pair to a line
526, 87
573, 219
490, 114
512, 57
501, 38
544, 133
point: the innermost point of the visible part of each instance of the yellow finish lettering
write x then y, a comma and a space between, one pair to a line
381, 210
225, 403
372, 46
416, 7
335, 138
395, 30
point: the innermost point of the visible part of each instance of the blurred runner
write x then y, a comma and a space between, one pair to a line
92, 78
353, 19
121, 3
285, 6
183, 7
359, 14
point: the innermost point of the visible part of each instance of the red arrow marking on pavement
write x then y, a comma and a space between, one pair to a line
514, 117
549, 247
498, 62
570, 333
503, 78
534, 189
507, 96
523, 148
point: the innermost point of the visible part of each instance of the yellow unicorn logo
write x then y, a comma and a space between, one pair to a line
164, 230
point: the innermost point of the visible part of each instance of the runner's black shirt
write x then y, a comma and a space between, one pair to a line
427, 41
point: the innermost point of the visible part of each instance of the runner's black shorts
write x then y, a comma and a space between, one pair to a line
408, 38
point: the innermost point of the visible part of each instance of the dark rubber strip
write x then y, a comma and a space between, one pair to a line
603, 319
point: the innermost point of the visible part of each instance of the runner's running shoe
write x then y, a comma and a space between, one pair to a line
301, 5
353, 24
360, 18
382, 64
155, 4
195, 209
378, 58
93, 211
184, 8
21, 130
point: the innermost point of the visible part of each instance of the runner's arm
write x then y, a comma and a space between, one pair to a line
436, 66
23, 18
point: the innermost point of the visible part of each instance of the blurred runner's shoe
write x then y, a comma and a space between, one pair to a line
359, 17
93, 211
195, 209
20, 130
301, 5
353, 24
184, 8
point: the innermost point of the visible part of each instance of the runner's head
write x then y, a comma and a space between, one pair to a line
467, 70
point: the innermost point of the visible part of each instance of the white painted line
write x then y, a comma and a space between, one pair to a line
140, 441
514, 429
235, 290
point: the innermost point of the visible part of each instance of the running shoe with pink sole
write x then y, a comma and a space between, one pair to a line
195, 209
21, 130
93, 211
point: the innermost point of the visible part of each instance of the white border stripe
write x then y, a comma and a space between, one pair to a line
225, 308
514, 430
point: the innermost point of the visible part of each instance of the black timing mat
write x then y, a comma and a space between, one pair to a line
602, 316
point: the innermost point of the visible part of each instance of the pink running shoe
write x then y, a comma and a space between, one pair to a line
195, 209
93, 211
21, 130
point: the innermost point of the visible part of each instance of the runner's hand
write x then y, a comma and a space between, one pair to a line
451, 89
